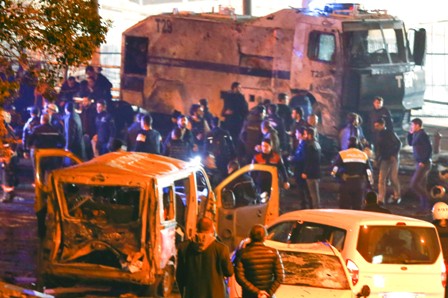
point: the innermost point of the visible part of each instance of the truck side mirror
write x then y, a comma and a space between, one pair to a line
228, 199
365, 291
419, 46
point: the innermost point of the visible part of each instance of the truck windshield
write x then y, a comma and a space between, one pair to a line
106, 204
374, 46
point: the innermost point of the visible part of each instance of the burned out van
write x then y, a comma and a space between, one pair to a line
118, 217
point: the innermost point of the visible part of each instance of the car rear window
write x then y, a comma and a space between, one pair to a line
398, 244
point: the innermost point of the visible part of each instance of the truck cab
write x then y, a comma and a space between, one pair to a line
118, 218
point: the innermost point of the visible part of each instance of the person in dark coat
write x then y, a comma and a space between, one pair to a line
278, 124
219, 142
379, 111
208, 116
69, 89
175, 147
88, 118
102, 86
297, 160
250, 135
44, 136
371, 203
203, 263
311, 171
105, 128
235, 110
284, 111
132, 131
259, 268
422, 151
301, 99
148, 140
32, 122
74, 141
387, 154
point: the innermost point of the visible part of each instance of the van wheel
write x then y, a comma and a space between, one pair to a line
166, 283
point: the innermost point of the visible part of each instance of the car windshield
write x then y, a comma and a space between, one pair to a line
314, 270
398, 244
106, 204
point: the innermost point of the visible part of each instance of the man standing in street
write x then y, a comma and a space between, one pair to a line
74, 140
44, 136
379, 112
259, 268
148, 139
352, 167
203, 263
422, 151
387, 153
235, 110
105, 128
311, 170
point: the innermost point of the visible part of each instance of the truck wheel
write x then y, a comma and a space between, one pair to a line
166, 283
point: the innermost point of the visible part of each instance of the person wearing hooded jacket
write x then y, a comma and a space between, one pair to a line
203, 263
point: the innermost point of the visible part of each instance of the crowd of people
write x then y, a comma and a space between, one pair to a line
282, 132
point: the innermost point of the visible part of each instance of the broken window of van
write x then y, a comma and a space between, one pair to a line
167, 206
243, 190
102, 204
136, 52
314, 270
248, 189
202, 191
375, 46
48, 164
322, 46
181, 193
398, 245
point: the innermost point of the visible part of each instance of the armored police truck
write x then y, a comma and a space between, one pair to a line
339, 57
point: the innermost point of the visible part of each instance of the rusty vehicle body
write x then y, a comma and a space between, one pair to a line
339, 58
118, 217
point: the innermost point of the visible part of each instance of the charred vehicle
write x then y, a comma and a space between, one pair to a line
340, 58
118, 218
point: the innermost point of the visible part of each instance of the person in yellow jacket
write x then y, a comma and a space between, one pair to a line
352, 168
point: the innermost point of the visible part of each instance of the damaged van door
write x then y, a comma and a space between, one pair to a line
249, 196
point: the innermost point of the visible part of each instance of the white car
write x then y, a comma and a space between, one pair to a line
395, 256
312, 270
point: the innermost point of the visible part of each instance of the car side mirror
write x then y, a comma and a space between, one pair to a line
365, 291
228, 199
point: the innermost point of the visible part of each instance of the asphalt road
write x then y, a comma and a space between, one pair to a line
18, 232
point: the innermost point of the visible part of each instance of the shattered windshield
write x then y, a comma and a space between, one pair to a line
374, 46
314, 270
106, 204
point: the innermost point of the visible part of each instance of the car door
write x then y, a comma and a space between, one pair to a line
55, 158
237, 214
